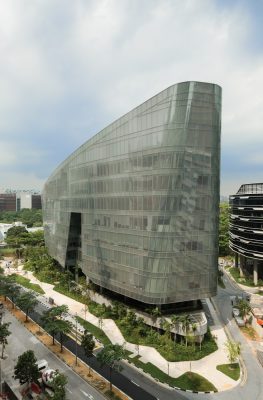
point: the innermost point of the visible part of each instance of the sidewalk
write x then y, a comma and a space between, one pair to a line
205, 367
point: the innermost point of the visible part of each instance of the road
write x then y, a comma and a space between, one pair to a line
21, 340
252, 387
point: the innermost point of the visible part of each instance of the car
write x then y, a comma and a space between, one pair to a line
235, 312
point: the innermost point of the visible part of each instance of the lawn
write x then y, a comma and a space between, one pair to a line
189, 380
236, 275
96, 332
231, 370
26, 283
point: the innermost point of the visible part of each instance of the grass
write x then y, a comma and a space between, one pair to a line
7, 251
170, 350
188, 380
242, 280
231, 370
249, 331
26, 283
96, 332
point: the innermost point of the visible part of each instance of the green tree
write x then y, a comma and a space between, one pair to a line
59, 386
4, 333
224, 249
244, 309
26, 369
27, 302
233, 350
88, 344
185, 320
51, 321
111, 356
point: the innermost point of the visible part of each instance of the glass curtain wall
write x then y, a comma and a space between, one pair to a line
147, 189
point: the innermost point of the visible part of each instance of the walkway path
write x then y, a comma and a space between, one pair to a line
205, 367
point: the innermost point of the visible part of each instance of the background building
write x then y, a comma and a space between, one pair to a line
136, 206
246, 229
18, 200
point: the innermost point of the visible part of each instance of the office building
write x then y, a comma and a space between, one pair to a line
246, 229
136, 206
16, 201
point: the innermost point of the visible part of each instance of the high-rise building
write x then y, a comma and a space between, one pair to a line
246, 229
136, 206
17, 200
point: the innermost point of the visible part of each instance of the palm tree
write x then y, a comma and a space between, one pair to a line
167, 327
186, 323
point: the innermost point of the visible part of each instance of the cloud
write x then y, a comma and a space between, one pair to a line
70, 68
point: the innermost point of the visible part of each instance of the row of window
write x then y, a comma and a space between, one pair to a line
141, 183
138, 162
140, 203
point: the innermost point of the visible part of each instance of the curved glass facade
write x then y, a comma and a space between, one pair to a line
136, 206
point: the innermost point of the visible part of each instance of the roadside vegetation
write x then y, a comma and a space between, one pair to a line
26, 283
189, 380
231, 370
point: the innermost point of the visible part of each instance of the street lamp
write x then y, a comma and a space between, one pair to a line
168, 367
76, 339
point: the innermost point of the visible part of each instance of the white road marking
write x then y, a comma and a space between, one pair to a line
68, 390
87, 395
135, 383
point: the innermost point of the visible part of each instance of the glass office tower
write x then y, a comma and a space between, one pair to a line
136, 206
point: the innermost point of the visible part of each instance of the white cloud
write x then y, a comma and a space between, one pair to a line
74, 65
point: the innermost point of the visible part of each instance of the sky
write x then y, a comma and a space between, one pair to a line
69, 68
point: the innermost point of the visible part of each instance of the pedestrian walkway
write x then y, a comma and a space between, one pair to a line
205, 367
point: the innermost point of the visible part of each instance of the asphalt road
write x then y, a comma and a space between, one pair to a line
252, 387
22, 340
129, 380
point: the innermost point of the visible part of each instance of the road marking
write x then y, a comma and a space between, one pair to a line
68, 390
230, 323
87, 395
135, 383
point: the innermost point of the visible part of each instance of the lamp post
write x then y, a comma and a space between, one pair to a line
76, 339
168, 368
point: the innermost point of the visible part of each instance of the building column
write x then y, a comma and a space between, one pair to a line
241, 265
255, 272
236, 260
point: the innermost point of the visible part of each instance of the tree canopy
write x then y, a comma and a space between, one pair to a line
26, 369
29, 217
224, 249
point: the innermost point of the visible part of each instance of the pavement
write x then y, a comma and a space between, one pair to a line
205, 367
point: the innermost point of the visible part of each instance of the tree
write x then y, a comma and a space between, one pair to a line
54, 324
224, 249
244, 309
185, 320
233, 350
59, 386
88, 345
27, 302
154, 313
26, 369
4, 333
111, 356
